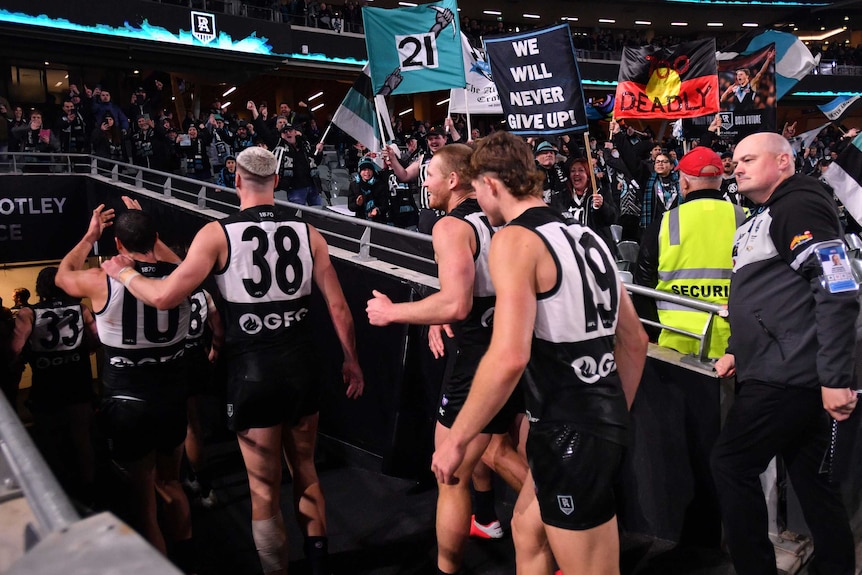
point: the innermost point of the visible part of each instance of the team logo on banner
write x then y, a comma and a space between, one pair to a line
538, 81
203, 27
668, 83
480, 95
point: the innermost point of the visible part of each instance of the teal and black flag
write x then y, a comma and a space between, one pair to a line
845, 177
414, 49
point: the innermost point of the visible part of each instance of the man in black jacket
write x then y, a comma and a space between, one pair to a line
298, 176
556, 176
792, 321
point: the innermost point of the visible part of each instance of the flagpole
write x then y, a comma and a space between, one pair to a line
326, 132
467, 113
449, 111
589, 159
380, 126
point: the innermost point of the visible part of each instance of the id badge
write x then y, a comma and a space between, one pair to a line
837, 276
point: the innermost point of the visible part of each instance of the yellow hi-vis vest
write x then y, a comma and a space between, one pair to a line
695, 246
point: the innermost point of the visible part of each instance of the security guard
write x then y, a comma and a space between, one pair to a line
687, 252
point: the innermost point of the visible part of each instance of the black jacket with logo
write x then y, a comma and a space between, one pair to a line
786, 327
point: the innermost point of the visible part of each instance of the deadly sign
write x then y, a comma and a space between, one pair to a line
668, 83
538, 81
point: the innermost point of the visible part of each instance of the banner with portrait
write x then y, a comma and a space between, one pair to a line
748, 99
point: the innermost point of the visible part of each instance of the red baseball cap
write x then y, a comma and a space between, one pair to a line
701, 162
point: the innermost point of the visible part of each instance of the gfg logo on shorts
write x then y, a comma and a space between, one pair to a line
252, 324
589, 371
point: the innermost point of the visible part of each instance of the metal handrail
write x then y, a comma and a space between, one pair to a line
134, 176
46, 498
712, 309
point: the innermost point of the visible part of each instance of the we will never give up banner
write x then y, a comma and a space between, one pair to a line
538, 81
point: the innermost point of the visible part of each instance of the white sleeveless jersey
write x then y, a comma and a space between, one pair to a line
572, 375
267, 281
135, 334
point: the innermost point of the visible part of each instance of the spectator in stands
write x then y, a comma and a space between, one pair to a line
147, 144
83, 103
300, 12
438, 136
681, 251
227, 175
555, 173
298, 118
632, 145
354, 153
5, 128
421, 133
16, 120
107, 139
647, 167
102, 103
189, 120
660, 191
220, 141
412, 145
729, 187
324, 16
368, 197
172, 154
352, 17
242, 139
284, 10
403, 211
34, 137
312, 132
72, 131
298, 181
143, 104
584, 204
193, 150
215, 107
809, 164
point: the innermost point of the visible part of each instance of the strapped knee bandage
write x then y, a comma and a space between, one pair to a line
270, 540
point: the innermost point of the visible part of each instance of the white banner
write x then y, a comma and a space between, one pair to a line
480, 96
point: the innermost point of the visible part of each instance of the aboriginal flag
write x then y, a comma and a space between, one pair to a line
669, 83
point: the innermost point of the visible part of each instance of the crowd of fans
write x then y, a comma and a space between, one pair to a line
144, 133
840, 54
636, 172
